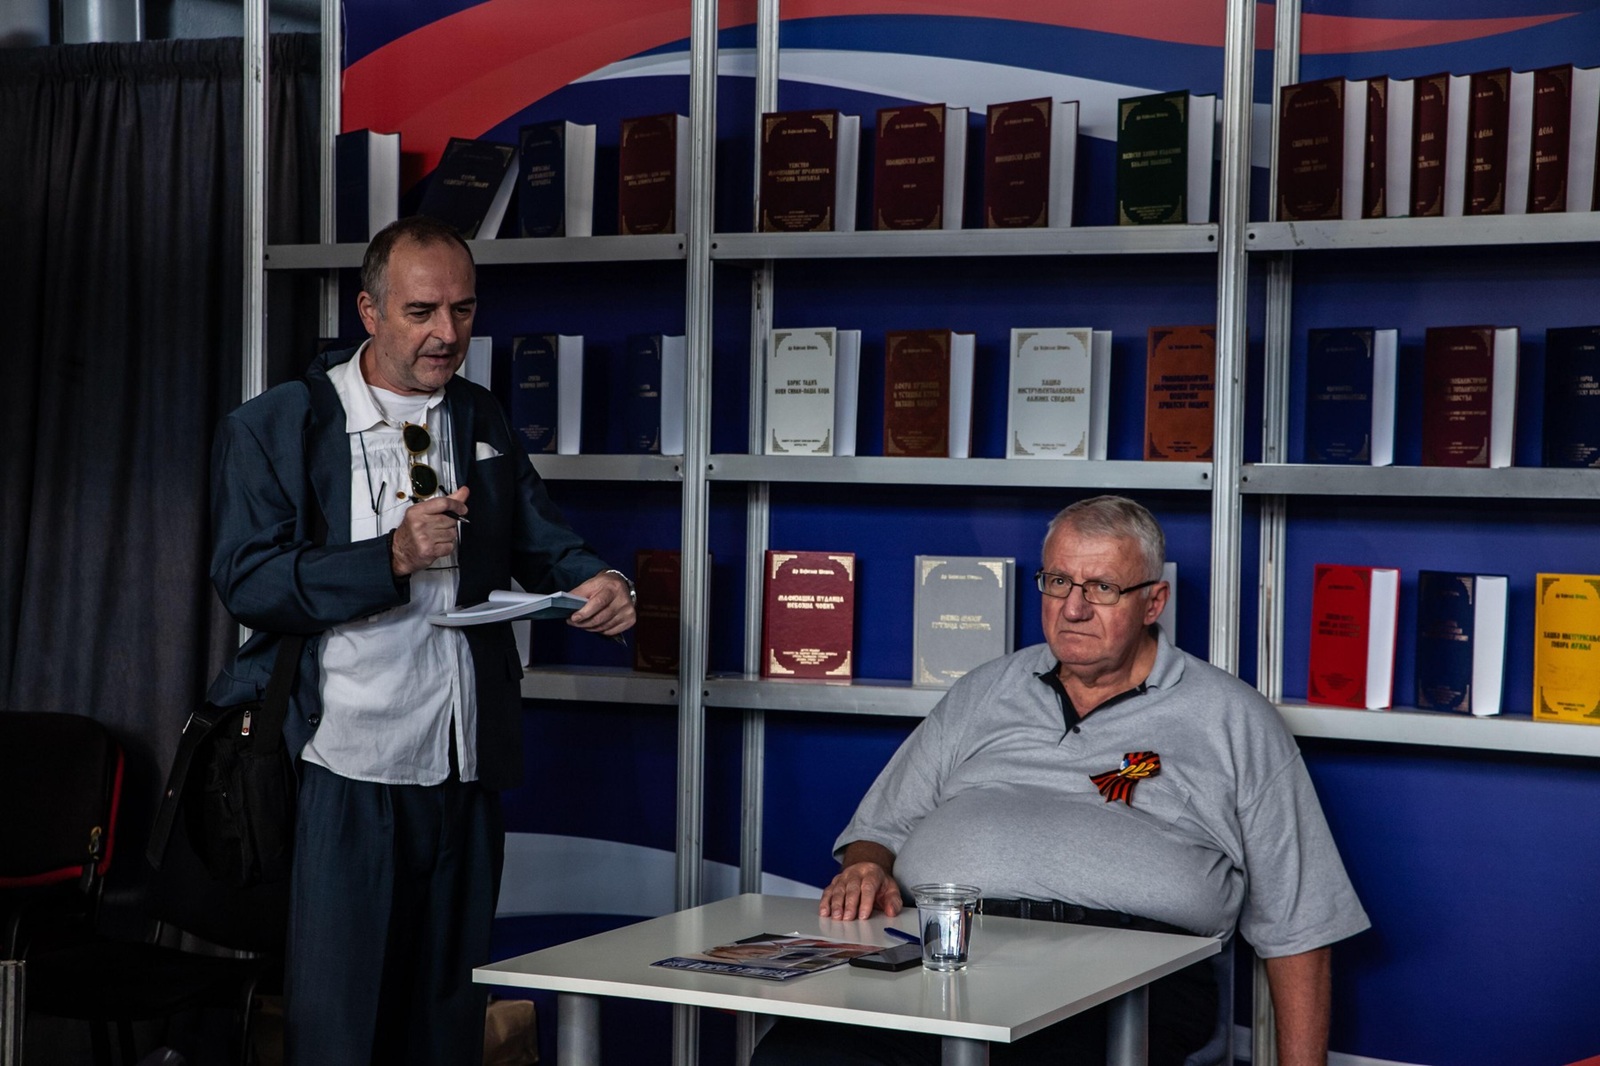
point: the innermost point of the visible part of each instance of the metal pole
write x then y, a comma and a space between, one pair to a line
254, 200
13, 1010
1128, 1028
697, 424
577, 1030
330, 122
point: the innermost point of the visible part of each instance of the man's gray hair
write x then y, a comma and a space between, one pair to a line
1115, 517
417, 228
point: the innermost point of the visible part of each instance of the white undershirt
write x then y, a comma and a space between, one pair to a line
394, 688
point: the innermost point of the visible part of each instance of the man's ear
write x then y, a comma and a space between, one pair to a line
1156, 603
367, 308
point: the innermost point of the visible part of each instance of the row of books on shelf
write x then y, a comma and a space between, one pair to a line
963, 614
1460, 641
1489, 143
808, 173
1469, 396
1057, 408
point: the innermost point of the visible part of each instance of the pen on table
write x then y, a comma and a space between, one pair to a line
901, 934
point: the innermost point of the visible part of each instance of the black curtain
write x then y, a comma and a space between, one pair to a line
121, 244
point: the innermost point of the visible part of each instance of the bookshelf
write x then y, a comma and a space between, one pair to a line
743, 275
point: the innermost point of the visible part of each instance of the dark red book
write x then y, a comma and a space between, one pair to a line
1311, 150
1430, 121
1375, 167
909, 166
1180, 385
1488, 127
1468, 396
657, 573
916, 392
1353, 620
800, 172
808, 615
652, 174
1029, 159
1552, 136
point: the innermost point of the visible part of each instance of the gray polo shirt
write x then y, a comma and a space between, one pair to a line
994, 789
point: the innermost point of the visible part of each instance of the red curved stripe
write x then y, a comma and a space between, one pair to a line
464, 74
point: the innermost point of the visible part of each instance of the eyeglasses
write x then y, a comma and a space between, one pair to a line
1099, 593
424, 479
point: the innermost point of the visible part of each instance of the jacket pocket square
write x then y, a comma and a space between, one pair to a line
483, 451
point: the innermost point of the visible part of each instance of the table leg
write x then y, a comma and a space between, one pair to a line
13, 1010
577, 1030
1128, 1030
959, 1051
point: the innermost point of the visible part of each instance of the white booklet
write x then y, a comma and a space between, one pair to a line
503, 606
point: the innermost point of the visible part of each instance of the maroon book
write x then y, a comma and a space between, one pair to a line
916, 392
1457, 378
1488, 126
657, 574
808, 615
1552, 137
1311, 150
1180, 386
1430, 121
799, 156
647, 175
908, 168
1375, 170
1016, 164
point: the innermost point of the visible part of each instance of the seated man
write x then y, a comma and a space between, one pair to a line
1012, 784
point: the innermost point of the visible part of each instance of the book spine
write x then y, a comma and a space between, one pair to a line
1488, 127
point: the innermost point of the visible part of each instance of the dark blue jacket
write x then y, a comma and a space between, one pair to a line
287, 451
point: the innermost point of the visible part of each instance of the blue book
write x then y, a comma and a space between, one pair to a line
653, 394
555, 183
1572, 397
1350, 396
471, 186
1461, 641
366, 184
532, 395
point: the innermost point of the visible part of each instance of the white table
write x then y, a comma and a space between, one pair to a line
1024, 976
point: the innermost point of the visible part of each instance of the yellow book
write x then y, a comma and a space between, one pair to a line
1566, 648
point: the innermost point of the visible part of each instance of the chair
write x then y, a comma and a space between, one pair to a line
66, 772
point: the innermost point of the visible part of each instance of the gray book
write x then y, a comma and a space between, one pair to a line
964, 615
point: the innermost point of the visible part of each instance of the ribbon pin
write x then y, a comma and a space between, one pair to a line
1118, 784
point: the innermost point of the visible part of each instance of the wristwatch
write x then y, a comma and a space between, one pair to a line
633, 594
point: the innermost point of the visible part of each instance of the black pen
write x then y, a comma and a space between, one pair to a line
901, 934
454, 517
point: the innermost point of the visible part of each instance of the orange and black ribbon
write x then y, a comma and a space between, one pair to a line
1118, 784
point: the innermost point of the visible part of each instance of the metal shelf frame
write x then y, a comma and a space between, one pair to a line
891, 244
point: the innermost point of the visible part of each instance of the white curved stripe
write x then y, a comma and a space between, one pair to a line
549, 874
930, 79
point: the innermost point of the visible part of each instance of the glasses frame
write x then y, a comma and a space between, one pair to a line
1120, 591
417, 440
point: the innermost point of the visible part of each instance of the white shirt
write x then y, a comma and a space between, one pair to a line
395, 688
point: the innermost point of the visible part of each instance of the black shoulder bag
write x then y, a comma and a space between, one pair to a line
233, 783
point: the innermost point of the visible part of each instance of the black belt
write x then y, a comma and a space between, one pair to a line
1055, 910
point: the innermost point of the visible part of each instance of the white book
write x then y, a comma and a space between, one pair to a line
504, 605
1352, 180
1385, 365
1503, 397
1064, 162
1457, 144
1398, 113
1200, 154
963, 357
846, 391
579, 186
475, 367
802, 368
847, 165
673, 370
955, 165
1489, 643
1059, 395
569, 394
1519, 142
1585, 130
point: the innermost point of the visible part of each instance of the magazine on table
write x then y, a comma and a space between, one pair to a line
772, 956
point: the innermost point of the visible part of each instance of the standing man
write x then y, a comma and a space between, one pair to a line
406, 731
1104, 778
